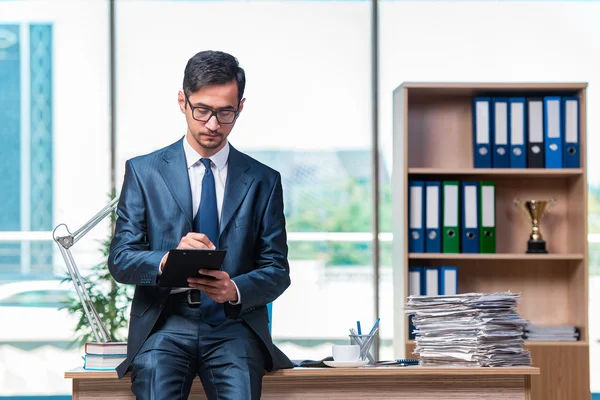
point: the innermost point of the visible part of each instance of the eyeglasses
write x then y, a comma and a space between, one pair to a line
204, 114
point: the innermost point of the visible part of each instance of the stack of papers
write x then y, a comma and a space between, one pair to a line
471, 330
567, 333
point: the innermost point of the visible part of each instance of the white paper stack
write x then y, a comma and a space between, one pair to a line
472, 330
566, 333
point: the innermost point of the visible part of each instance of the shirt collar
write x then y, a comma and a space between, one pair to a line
192, 157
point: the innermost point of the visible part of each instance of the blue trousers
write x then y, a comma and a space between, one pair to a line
227, 357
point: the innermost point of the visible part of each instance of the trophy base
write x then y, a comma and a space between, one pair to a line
536, 246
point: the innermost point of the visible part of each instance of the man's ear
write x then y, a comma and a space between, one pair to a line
241, 106
181, 101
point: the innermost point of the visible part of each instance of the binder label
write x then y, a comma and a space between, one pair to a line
487, 206
536, 125
517, 136
553, 120
501, 133
571, 122
416, 198
431, 214
450, 205
471, 210
483, 123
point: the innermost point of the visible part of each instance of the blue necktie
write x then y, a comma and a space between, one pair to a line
207, 222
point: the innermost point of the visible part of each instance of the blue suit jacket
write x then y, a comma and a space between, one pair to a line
155, 212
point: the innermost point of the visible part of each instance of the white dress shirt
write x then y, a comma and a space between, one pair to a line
196, 172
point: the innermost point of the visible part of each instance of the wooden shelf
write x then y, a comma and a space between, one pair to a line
537, 343
579, 343
497, 256
433, 141
496, 173
476, 88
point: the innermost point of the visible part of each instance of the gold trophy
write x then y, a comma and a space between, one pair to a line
536, 209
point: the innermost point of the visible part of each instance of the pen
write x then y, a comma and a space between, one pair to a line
374, 326
358, 327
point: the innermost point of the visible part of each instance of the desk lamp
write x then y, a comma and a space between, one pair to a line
64, 244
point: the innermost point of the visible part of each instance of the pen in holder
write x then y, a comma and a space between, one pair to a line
366, 344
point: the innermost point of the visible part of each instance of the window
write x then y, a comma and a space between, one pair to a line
307, 115
54, 160
37, 298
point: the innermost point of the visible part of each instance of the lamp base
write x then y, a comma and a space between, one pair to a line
536, 246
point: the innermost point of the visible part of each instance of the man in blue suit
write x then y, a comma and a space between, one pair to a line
202, 193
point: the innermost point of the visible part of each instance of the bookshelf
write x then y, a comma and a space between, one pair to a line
433, 140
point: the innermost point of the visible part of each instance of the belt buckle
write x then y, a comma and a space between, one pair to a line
189, 299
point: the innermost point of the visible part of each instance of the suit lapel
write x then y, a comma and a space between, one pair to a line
236, 187
174, 172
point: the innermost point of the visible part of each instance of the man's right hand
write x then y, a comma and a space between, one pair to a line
193, 240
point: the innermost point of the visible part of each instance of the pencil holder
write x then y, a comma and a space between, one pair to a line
368, 344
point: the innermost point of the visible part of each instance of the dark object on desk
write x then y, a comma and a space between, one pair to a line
184, 264
312, 363
398, 363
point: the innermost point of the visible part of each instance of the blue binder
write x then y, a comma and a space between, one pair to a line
416, 281
416, 216
553, 132
432, 281
470, 217
570, 123
448, 280
416, 287
516, 132
535, 133
500, 133
433, 217
482, 135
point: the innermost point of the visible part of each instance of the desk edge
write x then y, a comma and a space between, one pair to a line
80, 373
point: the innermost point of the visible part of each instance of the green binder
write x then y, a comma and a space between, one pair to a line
487, 217
450, 227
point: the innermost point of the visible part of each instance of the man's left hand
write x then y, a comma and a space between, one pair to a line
221, 289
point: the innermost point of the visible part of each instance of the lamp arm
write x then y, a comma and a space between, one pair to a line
69, 240
64, 244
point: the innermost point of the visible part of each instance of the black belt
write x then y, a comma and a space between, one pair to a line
191, 297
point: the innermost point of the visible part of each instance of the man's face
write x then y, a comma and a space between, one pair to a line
207, 138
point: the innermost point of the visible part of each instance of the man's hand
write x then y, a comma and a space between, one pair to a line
193, 240
220, 289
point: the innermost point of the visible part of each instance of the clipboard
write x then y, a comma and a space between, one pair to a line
185, 263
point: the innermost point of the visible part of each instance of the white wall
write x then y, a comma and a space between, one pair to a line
488, 41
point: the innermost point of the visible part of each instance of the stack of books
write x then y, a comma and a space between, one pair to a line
566, 333
471, 330
104, 356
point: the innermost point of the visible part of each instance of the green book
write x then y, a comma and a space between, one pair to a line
450, 226
487, 217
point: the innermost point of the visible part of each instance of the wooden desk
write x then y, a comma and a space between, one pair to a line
347, 384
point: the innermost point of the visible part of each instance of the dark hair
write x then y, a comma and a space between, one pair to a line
210, 67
